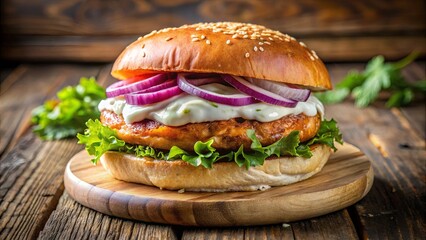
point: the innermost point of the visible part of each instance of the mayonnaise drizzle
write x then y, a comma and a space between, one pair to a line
185, 108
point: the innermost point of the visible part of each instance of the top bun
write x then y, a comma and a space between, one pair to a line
239, 49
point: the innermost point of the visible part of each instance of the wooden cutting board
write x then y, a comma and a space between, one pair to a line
345, 179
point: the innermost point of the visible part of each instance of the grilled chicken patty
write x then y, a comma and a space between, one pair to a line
227, 134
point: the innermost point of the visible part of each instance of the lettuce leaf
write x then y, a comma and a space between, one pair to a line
65, 116
100, 139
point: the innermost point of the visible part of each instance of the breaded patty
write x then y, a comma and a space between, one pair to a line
228, 134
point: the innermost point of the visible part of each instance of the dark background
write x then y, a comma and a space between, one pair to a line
97, 30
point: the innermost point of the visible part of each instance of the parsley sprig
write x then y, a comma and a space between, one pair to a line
99, 139
378, 76
66, 116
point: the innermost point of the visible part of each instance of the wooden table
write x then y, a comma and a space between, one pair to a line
33, 203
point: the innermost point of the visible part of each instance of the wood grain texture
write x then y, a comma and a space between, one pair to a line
130, 17
324, 227
98, 30
107, 49
31, 170
394, 209
25, 88
72, 221
345, 179
415, 113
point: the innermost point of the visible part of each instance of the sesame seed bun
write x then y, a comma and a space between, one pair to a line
229, 48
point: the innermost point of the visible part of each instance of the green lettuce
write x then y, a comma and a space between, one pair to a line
66, 116
100, 139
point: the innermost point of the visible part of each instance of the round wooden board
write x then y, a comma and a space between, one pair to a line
345, 179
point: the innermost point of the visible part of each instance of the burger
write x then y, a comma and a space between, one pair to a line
214, 107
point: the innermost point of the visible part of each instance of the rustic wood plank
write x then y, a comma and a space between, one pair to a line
76, 30
415, 112
393, 208
5, 70
31, 173
280, 231
213, 233
331, 226
134, 17
89, 49
32, 185
72, 221
246, 233
17, 99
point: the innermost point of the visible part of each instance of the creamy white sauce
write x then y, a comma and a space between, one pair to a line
185, 108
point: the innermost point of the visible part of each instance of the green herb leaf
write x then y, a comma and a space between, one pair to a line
100, 139
334, 96
66, 117
400, 98
377, 77
327, 134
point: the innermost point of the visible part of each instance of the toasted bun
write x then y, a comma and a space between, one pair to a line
230, 48
224, 176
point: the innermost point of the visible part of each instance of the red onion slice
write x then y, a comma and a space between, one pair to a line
129, 86
152, 97
204, 81
161, 86
289, 91
189, 86
257, 92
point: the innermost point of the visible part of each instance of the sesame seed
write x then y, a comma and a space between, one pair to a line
311, 57
208, 42
143, 54
247, 55
261, 49
255, 48
168, 39
314, 54
139, 38
302, 44
143, 45
258, 33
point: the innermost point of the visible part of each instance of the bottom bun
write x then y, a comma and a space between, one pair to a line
222, 177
